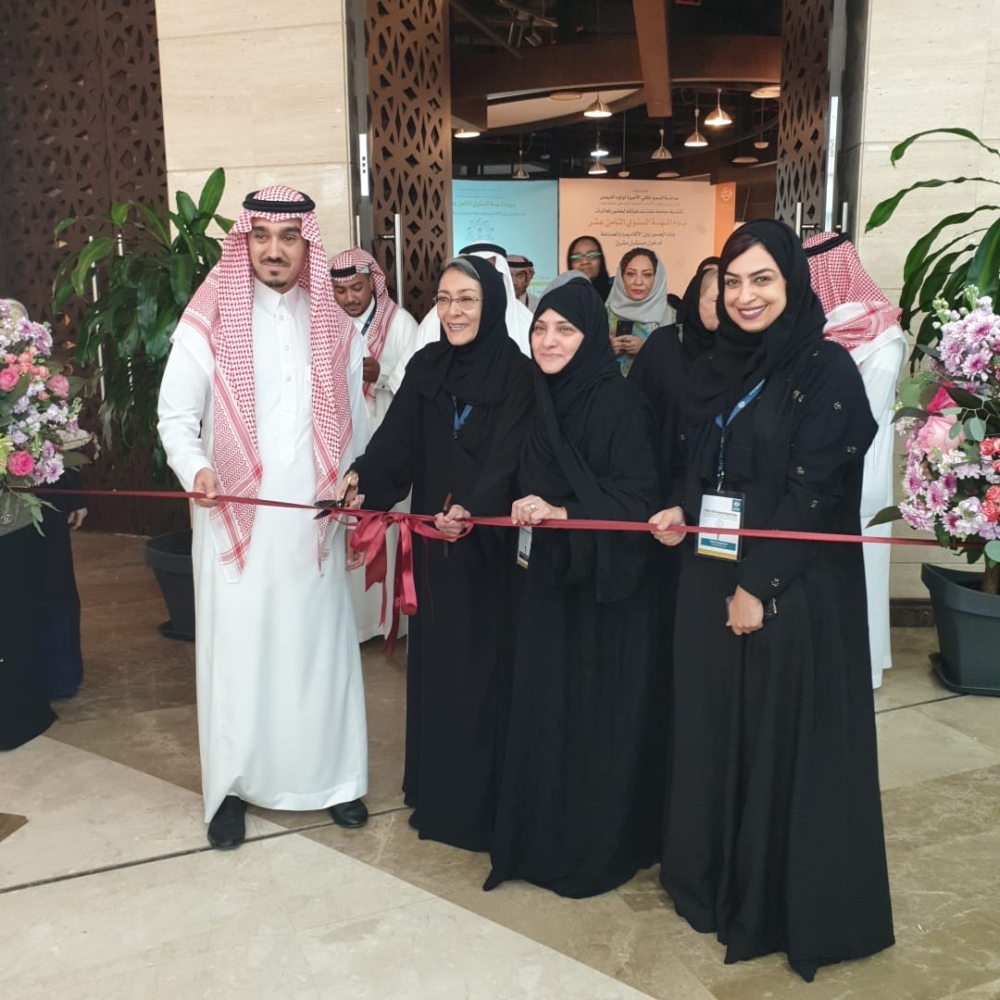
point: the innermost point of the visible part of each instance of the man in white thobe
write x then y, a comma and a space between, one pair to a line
861, 318
388, 334
518, 316
522, 271
262, 398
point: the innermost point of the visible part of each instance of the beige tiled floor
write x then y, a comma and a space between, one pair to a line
110, 890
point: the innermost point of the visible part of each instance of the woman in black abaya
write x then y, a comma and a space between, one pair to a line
773, 837
581, 789
453, 434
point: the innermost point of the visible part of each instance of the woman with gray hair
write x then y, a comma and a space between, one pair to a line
453, 435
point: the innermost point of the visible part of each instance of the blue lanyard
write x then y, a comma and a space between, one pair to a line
460, 418
736, 411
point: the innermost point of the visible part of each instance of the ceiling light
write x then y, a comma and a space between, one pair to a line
467, 132
598, 151
718, 117
761, 143
661, 152
696, 140
745, 159
769, 91
597, 168
520, 174
667, 175
598, 109
624, 172
565, 95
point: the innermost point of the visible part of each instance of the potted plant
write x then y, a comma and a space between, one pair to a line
950, 408
146, 278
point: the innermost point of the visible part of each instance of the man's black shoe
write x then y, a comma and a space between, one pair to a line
228, 827
350, 814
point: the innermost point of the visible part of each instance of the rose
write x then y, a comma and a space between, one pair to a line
59, 385
941, 401
8, 379
990, 510
936, 433
993, 494
988, 447
20, 464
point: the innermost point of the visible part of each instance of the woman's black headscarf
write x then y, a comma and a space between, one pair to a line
739, 360
696, 338
552, 458
478, 372
602, 283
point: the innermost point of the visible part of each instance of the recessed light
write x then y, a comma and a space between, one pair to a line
565, 95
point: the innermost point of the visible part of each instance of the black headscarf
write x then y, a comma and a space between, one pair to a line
739, 360
696, 338
602, 283
477, 372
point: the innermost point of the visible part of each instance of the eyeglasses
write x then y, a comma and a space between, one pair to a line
464, 302
593, 255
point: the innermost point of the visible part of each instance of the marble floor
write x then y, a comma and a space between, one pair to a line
109, 890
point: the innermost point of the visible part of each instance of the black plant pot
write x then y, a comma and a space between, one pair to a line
169, 557
968, 625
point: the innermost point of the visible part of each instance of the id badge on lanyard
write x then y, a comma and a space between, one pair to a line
723, 508
523, 547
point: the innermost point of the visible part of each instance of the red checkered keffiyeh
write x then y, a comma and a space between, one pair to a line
385, 309
222, 311
838, 277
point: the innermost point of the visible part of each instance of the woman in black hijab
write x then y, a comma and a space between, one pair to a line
581, 787
773, 836
586, 255
453, 434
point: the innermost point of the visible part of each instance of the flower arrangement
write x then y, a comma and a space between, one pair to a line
950, 412
37, 415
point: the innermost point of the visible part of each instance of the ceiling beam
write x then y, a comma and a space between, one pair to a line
652, 35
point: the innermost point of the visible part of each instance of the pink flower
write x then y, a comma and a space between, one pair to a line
8, 379
941, 401
20, 463
990, 510
988, 446
993, 494
59, 385
935, 434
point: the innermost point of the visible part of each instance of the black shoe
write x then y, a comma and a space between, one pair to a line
414, 821
228, 827
350, 814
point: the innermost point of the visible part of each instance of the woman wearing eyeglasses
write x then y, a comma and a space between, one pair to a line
586, 255
453, 435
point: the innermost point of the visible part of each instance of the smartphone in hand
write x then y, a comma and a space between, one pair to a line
624, 328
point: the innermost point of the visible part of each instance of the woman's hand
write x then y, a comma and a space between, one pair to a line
630, 344
745, 613
75, 518
348, 491
531, 510
617, 344
663, 520
452, 522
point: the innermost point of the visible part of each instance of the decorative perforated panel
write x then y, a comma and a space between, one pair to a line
81, 126
805, 95
409, 114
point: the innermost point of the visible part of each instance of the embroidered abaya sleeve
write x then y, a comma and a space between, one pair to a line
832, 434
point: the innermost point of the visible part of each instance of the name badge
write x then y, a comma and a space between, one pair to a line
523, 547
720, 510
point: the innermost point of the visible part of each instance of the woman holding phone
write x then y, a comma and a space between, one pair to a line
637, 304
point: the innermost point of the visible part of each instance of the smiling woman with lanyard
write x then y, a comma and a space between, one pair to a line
773, 836
453, 432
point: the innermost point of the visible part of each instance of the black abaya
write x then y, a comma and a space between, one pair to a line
459, 645
24, 707
773, 833
580, 798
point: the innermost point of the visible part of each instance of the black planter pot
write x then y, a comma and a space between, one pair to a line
169, 557
968, 625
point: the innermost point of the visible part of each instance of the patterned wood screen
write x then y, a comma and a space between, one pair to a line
409, 115
805, 95
81, 126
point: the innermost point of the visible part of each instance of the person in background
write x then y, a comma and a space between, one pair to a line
522, 271
453, 436
860, 318
581, 793
586, 255
389, 334
637, 304
773, 828
262, 397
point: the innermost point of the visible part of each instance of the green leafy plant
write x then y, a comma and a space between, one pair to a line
940, 270
144, 277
